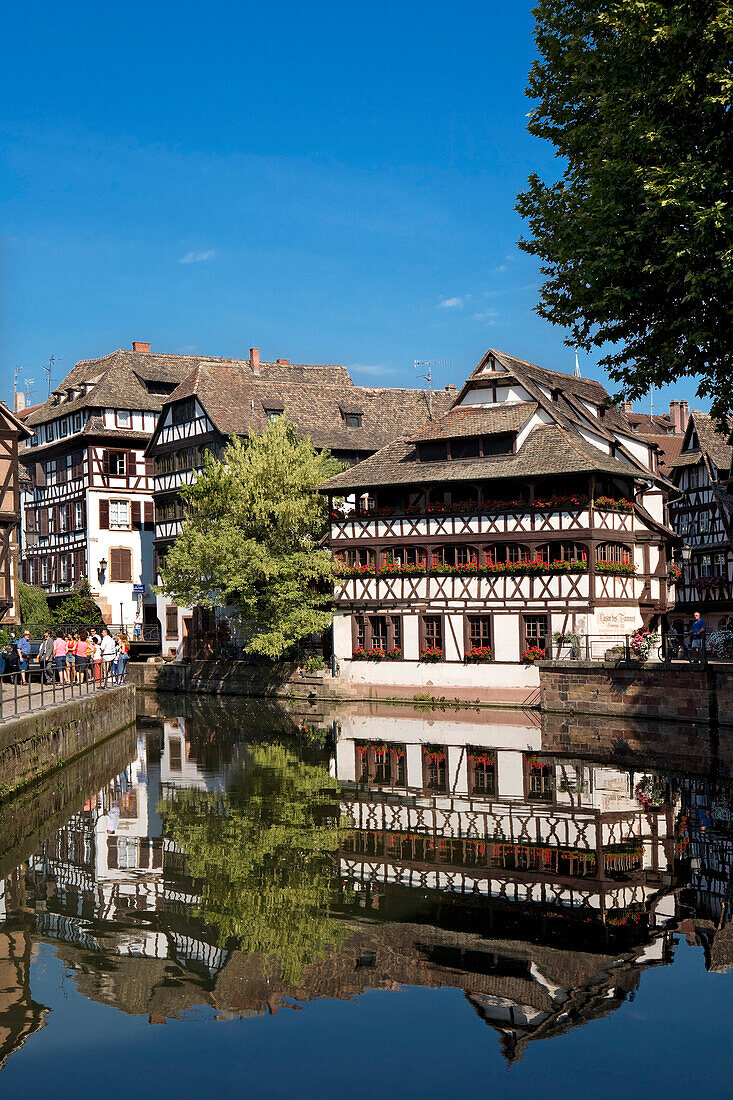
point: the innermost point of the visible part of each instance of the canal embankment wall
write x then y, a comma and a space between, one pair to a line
677, 692
34, 743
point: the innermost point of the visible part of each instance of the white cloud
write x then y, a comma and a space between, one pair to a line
488, 316
198, 257
451, 303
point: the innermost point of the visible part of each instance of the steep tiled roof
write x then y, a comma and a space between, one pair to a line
546, 451
465, 420
237, 401
143, 381
713, 442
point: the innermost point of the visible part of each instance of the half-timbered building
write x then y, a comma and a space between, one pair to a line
702, 516
12, 433
531, 507
220, 399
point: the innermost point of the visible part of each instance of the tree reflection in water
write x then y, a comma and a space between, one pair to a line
263, 856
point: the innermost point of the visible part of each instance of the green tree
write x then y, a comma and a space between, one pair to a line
78, 609
250, 539
262, 856
636, 237
35, 614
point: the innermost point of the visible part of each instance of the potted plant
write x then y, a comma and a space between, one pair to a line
480, 654
532, 654
431, 653
567, 645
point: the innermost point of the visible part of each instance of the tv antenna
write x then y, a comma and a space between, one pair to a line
29, 384
48, 370
428, 376
18, 370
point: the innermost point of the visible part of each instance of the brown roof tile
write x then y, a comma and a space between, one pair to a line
467, 420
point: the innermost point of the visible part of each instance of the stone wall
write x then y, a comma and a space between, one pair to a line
33, 744
678, 692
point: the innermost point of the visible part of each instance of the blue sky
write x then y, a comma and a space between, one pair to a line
329, 182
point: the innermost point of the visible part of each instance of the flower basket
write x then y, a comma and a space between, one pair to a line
651, 791
431, 653
394, 654
480, 654
618, 568
532, 654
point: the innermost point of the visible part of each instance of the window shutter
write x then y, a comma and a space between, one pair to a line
69, 517
77, 464
105, 463
149, 515
130, 463
43, 522
83, 515
149, 467
114, 565
56, 518
104, 515
79, 564
135, 514
120, 564
61, 472
40, 474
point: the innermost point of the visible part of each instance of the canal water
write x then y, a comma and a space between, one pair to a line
244, 901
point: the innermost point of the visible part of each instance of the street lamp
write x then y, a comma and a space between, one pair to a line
686, 553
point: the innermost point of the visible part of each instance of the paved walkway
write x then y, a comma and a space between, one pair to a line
16, 700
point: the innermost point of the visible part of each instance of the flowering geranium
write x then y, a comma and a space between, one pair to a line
431, 653
620, 568
394, 654
533, 653
361, 654
613, 504
434, 754
480, 653
674, 572
642, 644
708, 584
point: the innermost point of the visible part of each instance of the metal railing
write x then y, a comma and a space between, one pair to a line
45, 687
622, 649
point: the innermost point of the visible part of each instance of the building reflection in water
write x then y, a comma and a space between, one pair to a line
452, 851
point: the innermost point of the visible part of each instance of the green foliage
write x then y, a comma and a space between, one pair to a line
35, 613
4, 638
636, 237
263, 856
314, 664
78, 609
250, 539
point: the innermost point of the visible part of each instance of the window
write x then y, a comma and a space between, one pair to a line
431, 640
693, 477
171, 621
165, 511
380, 765
455, 555
683, 523
44, 570
562, 551
511, 552
186, 458
78, 515
434, 770
184, 411
479, 632
63, 569
49, 433
719, 568
77, 422
380, 634
119, 513
164, 464
360, 556
482, 772
122, 418
534, 632
433, 451
63, 519
64, 427
469, 447
538, 779
115, 463
272, 414
120, 564
614, 552
703, 522
51, 471
353, 420
405, 555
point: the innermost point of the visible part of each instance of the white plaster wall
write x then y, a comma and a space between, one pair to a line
420, 674
654, 504
342, 645
413, 765
410, 639
453, 641
457, 760
506, 638
503, 394
509, 774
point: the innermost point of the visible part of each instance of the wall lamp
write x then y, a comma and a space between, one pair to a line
101, 569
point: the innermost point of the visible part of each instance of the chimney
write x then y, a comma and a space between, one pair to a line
141, 346
254, 360
283, 362
451, 388
18, 401
684, 416
674, 415
627, 408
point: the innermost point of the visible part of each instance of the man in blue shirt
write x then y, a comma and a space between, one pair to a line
697, 632
24, 653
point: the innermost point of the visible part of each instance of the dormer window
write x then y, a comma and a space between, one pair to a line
122, 418
353, 420
273, 414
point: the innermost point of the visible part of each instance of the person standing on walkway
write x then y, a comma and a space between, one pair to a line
97, 659
45, 657
698, 632
59, 656
108, 654
81, 664
123, 657
24, 654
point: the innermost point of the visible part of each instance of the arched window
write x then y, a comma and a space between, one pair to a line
615, 553
508, 552
405, 555
359, 556
562, 551
454, 555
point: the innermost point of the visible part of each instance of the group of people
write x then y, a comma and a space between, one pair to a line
77, 657
690, 642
